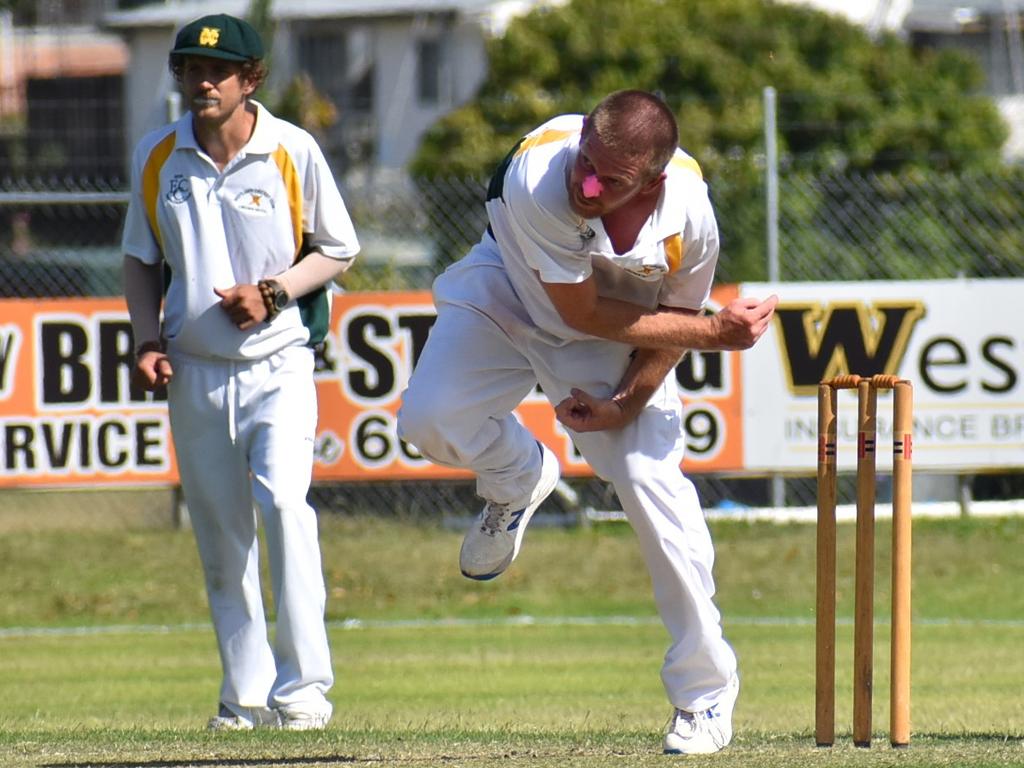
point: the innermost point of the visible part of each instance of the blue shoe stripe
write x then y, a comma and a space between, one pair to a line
516, 518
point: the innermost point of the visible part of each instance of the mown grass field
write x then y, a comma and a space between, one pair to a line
106, 657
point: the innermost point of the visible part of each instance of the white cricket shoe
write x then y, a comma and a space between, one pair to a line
293, 720
704, 732
229, 723
229, 720
494, 539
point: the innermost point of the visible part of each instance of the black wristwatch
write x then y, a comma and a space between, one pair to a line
275, 298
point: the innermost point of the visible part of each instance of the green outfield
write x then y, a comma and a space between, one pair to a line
106, 658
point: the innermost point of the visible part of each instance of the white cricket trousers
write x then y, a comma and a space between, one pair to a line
243, 435
482, 358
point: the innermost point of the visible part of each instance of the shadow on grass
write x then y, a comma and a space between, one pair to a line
213, 762
978, 736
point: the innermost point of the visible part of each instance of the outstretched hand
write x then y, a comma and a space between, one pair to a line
741, 322
582, 412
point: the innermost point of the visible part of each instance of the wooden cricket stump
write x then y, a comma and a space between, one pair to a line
825, 616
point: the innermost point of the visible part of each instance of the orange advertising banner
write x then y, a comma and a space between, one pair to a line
69, 416
67, 412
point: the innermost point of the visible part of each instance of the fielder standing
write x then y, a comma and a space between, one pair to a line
242, 210
597, 261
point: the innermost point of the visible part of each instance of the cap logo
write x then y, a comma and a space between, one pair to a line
209, 37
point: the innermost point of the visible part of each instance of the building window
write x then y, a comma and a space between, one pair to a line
339, 59
429, 71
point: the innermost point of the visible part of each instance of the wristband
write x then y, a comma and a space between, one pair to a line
149, 346
274, 297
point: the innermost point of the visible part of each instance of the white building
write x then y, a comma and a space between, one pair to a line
873, 15
390, 67
991, 32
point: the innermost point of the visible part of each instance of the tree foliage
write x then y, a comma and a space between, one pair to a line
843, 98
846, 102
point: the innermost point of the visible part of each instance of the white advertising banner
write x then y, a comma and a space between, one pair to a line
959, 342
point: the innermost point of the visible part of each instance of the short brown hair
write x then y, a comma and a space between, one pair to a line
637, 124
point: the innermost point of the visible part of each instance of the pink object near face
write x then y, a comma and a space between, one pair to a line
592, 186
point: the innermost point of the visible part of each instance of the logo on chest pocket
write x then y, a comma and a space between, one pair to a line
648, 271
257, 202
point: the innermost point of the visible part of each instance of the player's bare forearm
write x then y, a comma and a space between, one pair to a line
583, 412
738, 325
646, 371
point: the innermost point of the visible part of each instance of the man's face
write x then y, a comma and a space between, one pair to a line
619, 178
213, 87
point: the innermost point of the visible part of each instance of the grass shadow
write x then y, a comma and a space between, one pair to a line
214, 762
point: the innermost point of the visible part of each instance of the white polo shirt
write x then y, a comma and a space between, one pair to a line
672, 262
216, 229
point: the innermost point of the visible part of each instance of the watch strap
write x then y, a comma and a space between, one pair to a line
269, 292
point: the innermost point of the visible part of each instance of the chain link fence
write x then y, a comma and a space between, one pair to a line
61, 237
912, 226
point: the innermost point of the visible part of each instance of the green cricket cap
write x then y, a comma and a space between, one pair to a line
219, 36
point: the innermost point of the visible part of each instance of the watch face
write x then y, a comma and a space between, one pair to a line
280, 299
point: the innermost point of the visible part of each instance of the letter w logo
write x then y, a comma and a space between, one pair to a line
818, 342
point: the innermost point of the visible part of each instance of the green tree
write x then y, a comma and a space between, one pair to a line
846, 101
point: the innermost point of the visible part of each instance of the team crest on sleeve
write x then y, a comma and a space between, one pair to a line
257, 201
180, 189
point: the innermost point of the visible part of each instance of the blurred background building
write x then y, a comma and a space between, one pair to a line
82, 80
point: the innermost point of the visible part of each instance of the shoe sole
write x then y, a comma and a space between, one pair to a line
523, 522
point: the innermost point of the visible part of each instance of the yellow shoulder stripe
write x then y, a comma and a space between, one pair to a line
151, 182
673, 252
293, 190
685, 161
544, 137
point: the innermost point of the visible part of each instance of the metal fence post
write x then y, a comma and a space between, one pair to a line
771, 180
